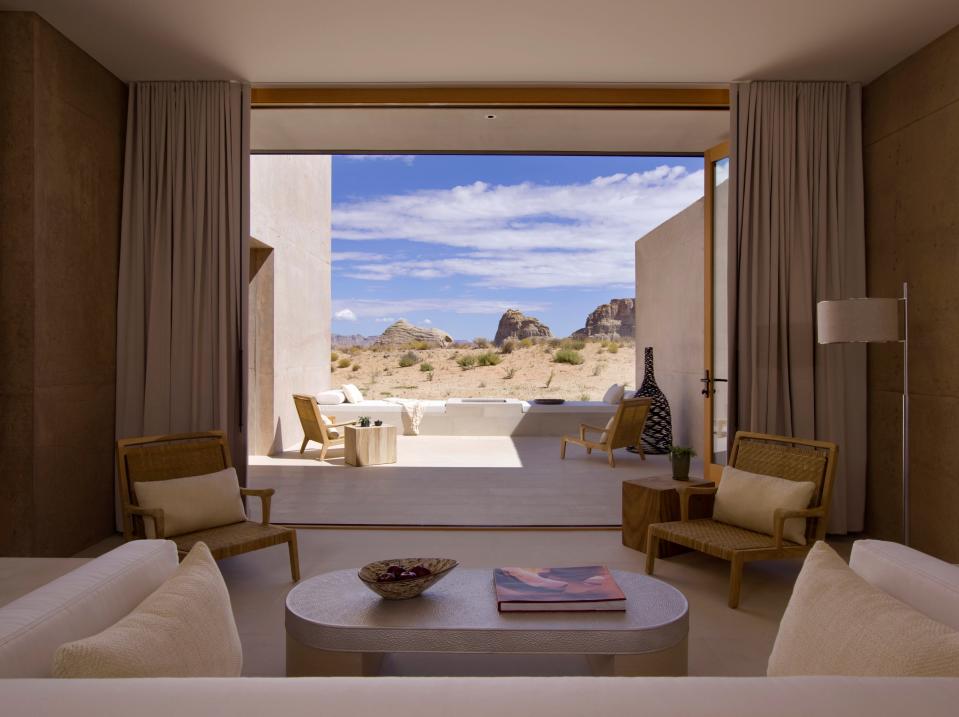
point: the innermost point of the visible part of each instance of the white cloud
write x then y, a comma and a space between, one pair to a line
427, 321
355, 256
386, 320
345, 315
406, 159
522, 235
378, 308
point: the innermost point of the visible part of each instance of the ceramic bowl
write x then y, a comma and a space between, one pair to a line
405, 589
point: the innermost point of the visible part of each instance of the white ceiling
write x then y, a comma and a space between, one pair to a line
497, 41
468, 130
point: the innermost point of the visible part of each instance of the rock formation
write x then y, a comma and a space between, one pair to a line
403, 333
516, 325
345, 341
613, 321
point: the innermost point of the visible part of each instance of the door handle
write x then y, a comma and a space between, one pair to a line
708, 382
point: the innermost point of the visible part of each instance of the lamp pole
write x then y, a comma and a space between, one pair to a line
905, 414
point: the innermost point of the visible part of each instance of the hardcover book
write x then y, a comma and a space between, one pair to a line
577, 589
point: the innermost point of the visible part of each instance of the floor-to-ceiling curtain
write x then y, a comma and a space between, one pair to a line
181, 298
797, 237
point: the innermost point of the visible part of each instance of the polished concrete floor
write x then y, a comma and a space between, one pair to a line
453, 481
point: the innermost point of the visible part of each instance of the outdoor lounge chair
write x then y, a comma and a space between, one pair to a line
790, 458
624, 429
315, 428
158, 458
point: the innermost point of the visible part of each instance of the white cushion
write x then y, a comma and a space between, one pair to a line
192, 503
333, 397
184, 629
749, 500
614, 394
352, 393
926, 583
330, 431
838, 624
609, 424
80, 603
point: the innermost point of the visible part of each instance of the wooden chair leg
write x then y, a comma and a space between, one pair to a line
562, 449
294, 558
612, 461
652, 548
735, 580
323, 452
303, 445
589, 451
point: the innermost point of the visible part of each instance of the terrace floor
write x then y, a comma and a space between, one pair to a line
495, 481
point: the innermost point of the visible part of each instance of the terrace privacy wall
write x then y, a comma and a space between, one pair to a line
911, 156
290, 297
62, 128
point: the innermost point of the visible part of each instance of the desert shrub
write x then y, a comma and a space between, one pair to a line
343, 362
355, 350
569, 356
489, 358
527, 342
356, 367
466, 361
612, 347
419, 345
334, 356
481, 343
555, 343
574, 344
509, 373
508, 347
598, 368
482, 384
550, 379
584, 397
429, 376
408, 359
425, 366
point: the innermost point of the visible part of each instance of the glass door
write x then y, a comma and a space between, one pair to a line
715, 386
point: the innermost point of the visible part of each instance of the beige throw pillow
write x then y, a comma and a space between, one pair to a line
838, 624
193, 503
185, 628
749, 500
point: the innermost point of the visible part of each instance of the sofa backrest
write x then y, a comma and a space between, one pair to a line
79, 604
928, 584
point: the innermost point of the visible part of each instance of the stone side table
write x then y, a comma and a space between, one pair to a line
370, 446
656, 500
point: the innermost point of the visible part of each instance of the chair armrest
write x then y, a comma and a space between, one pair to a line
344, 423
265, 495
782, 515
687, 490
155, 513
583, 427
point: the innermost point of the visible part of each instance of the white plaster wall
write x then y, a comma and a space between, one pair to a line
669, 317
290, 211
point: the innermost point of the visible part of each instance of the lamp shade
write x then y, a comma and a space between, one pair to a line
858, 321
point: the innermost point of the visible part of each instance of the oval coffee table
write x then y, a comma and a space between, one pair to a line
336, 626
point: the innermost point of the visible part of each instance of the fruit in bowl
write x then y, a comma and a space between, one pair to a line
404, 578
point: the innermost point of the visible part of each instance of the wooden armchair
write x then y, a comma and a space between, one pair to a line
791, 458
626, 429
190, 454
314, 429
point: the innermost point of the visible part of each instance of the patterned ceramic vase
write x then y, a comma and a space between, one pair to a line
658, 435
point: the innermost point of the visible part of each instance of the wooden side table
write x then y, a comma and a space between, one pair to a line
656, 500
371, 446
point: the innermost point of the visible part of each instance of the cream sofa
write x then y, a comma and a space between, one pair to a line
102, 591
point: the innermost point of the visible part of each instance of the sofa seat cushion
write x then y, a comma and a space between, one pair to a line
192, 503
183, 629
838, 624
79, 604
749, 500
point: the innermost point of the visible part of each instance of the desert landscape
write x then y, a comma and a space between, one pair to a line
523, 360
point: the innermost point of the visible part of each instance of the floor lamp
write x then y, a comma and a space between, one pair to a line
874, 321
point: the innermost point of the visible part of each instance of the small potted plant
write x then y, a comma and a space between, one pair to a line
679, 456
364, 421
377, 422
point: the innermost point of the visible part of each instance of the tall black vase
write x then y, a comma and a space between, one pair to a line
658, 434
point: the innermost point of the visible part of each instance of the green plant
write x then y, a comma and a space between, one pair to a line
334, 356
356, 367
575, 344
343, 363
682, 452
466, 361
408, 359
489, 358
569, 356
507, 347
612, 347
527, 342
429, 376
420, 345
481, 343
509, 373
425, 366
364, 421
584, 397
555, 343
550, 379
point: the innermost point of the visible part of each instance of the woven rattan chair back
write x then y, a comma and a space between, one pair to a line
629, 422
154, 458
793, 459
309, 412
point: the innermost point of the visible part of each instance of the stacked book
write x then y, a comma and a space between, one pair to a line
578, 589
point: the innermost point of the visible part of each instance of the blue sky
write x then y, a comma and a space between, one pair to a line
452, 241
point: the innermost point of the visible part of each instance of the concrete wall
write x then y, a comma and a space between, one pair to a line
290, 213
62, 126
911, 154
669, 317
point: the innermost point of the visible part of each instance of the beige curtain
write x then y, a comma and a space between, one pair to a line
181, 298
796, 238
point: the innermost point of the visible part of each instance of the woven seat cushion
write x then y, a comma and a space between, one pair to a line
715, 538
233, 539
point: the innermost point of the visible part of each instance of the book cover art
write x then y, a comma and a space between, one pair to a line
580, 588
